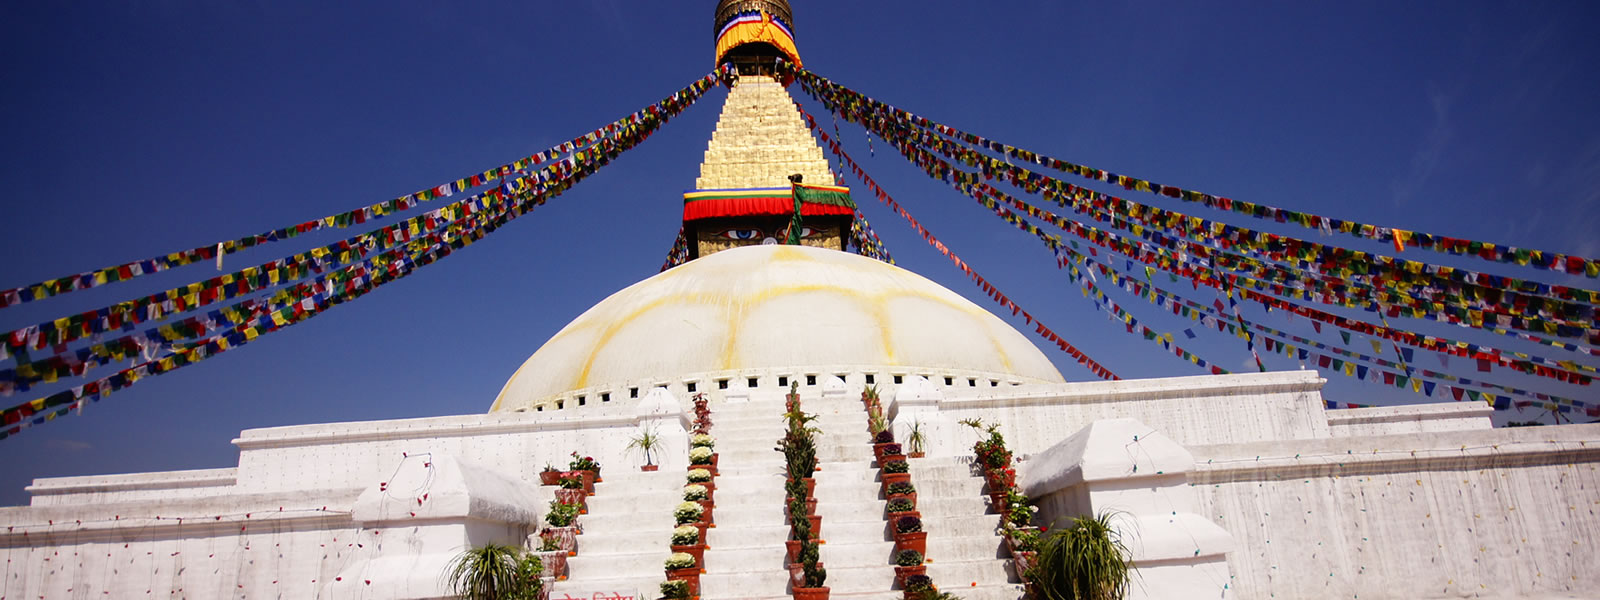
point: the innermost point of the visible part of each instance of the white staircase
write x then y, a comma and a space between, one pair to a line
627, 533
630, 521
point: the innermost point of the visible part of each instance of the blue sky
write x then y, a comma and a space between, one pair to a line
135, 129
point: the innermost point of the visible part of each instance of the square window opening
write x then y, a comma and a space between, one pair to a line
869, 379
811, 380
753, 381
783, 381
691, 386
899, 379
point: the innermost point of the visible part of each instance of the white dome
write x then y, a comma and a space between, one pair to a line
762, 307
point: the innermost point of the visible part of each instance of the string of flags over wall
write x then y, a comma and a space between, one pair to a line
1133, 244
343, 272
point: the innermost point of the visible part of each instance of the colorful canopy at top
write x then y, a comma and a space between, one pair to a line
815, 200
753, 27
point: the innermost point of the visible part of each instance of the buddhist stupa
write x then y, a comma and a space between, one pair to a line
1227, 486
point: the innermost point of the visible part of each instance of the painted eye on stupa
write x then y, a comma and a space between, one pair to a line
807, 232
742, 234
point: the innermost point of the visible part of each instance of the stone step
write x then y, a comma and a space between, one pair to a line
633, 564
648, 586
656, 520
872, 511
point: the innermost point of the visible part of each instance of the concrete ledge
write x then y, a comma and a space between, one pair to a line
1142, 389
426, 427
1346, 456
155, 480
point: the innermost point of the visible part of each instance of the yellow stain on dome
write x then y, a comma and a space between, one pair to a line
737, 307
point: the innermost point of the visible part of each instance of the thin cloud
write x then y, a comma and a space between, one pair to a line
69, 445
1426, 160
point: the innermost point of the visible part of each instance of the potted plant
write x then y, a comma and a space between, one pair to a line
647, 441
879, 441
903, 490
686, 539
917, 440
1018, 512
1024, 544
809, 552
550, 475
695, 492
907, 563
701, 440
700, 476
688, 512
701, 457
673, 589
1084, 559
562, 518
876, 423
682, 567
494, 571
917, 587
813, 589
585, 463
901, 508
991, 451
896, 471
571, 492
908, 535
553, 556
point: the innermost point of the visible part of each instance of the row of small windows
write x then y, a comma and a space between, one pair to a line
783, 381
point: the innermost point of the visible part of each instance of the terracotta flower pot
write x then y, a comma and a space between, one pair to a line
911, 497
649, 468
820, 593
691, 575
566, 538
916, 454
816, 526
797, 576
1024, 561
901, 573
549, 477
997, 501
577, 497
793, 546
698, 551
916, 540
894, 517
705, 512
889, 478
1011, 541
711, 466
877, 451
588, 479
889, 458
811, 488
702, 525
555, 563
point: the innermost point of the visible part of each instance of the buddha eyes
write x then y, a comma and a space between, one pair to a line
741, 234
752, 234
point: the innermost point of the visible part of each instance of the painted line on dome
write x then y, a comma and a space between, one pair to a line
611, 330
873, 307
876, 304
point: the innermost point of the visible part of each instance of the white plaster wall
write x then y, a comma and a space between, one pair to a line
1191, 410
1503, 513
221, 547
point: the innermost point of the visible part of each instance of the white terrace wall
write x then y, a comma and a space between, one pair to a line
213, 547
1209, 409
1502, 513
280, 523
